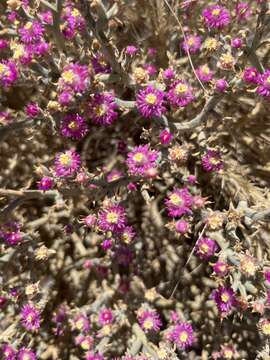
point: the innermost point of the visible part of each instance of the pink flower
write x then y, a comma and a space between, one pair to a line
26, 354
211, 161
264, 84
32, 110
46, 183
251, 75
180, 94
112, 218
216, 16
205, 248
165, 137
224, 298
105, 317
141, 159
204, 73
67, 163
73, 126
31, 32
149, 320
243, 11
8, 73
182, 335
30, 317
74, 78
192, 44
179, 202
150, 102
102, 109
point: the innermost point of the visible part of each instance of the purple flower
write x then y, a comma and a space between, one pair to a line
107, 244
26, 354
46, 17
205, 248
150, 102
180, 94
8, 352
221, 85
65, 98
179, 202
149, 320
182, 335
251, 75
32, 110
243, 11
204, 73
3, 44
264, 84
30, 317
236, 43
74, 78
11, 233
67, 163
81, 323
211, 161
123, 255
267, 275
224, 298
31, 32
112, 218
165, 137
73, 22
192, 43
73, 126
221, 268
141, 160
105, 317
151, 69
114, 175
168, 74
94, 356
181, 226
46, 183
127, 234
85, 342
8, 73
131, 50
102, 109
216, 16
99, 64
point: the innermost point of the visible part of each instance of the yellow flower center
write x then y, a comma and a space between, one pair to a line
214, 161
28, 26
79, 324
73, 125
181, 88
205, 70
138, 157
175, 199
151, 99
228, 354
222, 268
3, 69
29, 318
100, 110
85, 345
204, 248
190, 41
125, 238
26, 357
183, 336
266, 328
148, 324
75, 13
65, 159
216, 12
225, 298
267, 80
68, 76
112, 218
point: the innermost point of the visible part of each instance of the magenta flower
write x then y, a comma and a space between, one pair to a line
216, 16
105, 317
237, 43
179, 202
46, 17
11, 234
94, 356
131, 50
73, 126
30, 317
32, 110
99, 64
221, 268
150, 102
141, 159
3, 44
67, 163
204, 73
149, 320
192, 43
264, 84
81, 323
251, 75
221, 85
114, 175
165, 137
73, 22
180, 94
102, 109
90, 220
46, 183
107, 244
128, 234
151, 69
26, 354
112, 218
224, 298
211, 161
8, 73
65, 98
74, 78
205, 248
182, 336
168, 74
31, 32
267, 275
182, 226
8, 352
243, 11
85, 342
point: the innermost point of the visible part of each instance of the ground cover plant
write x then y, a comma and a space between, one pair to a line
134, 179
